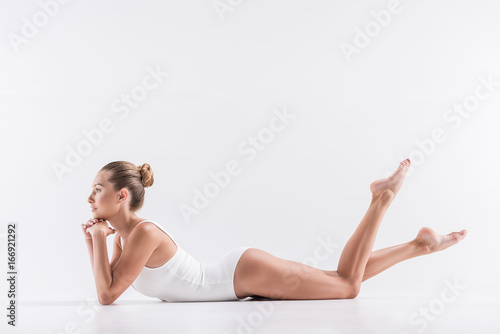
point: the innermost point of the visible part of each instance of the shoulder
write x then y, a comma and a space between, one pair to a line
142, 239
144, 230
146, 226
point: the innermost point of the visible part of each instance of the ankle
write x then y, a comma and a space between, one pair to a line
419, 248
385, 197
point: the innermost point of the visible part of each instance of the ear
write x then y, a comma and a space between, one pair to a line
123, 195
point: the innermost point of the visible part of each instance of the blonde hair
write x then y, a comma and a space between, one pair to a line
124, 174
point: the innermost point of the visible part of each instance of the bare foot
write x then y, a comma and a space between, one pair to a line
434, 242
391, 184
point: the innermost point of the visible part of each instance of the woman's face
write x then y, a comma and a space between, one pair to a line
103, 199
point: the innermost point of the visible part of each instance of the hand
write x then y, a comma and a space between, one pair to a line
85, 226
99, 226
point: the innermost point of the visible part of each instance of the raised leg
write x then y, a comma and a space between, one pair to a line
357, 251
426, 242
262, 274
383, 259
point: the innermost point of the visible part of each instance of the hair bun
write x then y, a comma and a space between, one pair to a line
146, 175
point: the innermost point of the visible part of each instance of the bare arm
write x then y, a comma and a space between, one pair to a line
88, 241
112, 280
102, 268
141, 244
93, 253
117, 251
90, 248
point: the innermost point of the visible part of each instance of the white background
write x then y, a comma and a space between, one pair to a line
354, 121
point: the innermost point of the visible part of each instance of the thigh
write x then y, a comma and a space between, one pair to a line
263, 274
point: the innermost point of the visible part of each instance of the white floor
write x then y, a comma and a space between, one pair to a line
398, 315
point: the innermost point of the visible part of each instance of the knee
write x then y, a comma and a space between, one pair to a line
353, 288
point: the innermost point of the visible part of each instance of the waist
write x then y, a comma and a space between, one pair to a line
182, 265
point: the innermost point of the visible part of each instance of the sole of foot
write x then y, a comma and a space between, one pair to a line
433, 242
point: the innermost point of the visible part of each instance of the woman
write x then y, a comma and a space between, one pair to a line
148, 258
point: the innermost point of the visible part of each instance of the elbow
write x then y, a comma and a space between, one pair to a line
105, 300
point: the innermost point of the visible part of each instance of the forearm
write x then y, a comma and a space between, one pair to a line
90, 248
101, 266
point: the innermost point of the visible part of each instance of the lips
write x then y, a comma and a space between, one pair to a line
92, 208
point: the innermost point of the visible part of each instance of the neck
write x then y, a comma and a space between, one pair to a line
124, 223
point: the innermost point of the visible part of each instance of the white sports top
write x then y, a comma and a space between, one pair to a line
183, 278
